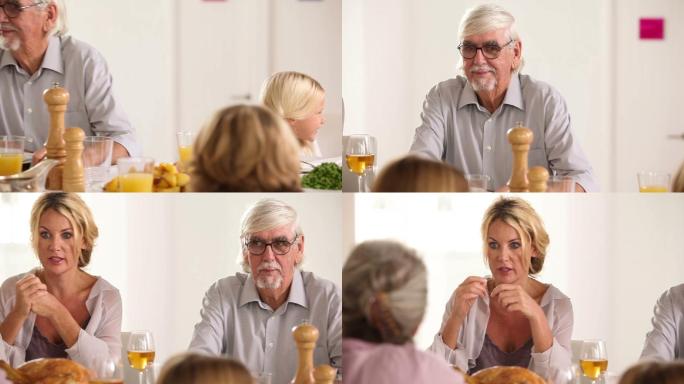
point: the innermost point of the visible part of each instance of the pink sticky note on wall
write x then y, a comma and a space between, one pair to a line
652, 29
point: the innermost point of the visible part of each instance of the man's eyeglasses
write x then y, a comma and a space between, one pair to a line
13, 9
489, 50
257, 247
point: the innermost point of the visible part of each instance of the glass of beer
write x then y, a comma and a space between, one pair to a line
140, 351
360, 156
185, 141
593, 359
107, 370
136, 174
11, 154
653, 181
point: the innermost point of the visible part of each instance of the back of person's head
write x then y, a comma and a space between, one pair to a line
678, 181
654, 372
200, 369
246, 149
292, 95
384, 292
417, 174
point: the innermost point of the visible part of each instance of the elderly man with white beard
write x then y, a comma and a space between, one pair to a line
36, 53
465, 119
249, 317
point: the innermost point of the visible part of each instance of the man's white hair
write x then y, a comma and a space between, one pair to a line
485, 18
61, 26
264, 215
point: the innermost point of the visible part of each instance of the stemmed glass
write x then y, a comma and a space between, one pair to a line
140, 351
107, 370
360, 155
593, 359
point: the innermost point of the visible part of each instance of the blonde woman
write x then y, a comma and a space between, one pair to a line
199, 369
510, 318
300, 100
246, 149
416, 174
59, 310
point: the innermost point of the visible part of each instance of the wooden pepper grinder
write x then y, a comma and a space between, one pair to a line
74, 178
56, 99
325, 374
538, 177
305, 336
520, 138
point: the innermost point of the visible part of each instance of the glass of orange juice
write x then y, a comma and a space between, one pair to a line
11, 154
653, 181
136, 174
185, 141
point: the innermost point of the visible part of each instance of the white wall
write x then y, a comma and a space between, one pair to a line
143, 44
306, 36
612, 255
395, 51
163, 252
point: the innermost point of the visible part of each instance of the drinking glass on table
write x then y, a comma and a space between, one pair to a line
97, 159
11, 154
107, 370
557, 183
653, 181
140, 352
136, 174
567, 375
477, 183
593, 359
185, 141
360, 156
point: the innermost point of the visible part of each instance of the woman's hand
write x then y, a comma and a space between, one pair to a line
513, 298
28, 288
464, 297
46, 305
466, 294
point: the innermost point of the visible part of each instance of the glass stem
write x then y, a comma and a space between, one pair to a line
361, 186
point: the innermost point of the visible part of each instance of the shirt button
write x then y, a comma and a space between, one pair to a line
29, 110
489, 148
30, 83
270, 345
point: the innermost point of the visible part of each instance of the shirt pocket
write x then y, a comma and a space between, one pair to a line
537, 157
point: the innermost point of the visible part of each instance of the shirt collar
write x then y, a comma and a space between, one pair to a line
53, 56
52, 60
297, 294
513, 94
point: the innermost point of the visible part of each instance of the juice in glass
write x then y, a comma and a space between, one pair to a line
10, 163
136, 182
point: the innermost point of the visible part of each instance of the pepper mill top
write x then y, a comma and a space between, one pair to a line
305, 333
520, 135
56, 95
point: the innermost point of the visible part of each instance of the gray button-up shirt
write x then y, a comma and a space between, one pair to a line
82, 71
460, 131
236, 323
666, 340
